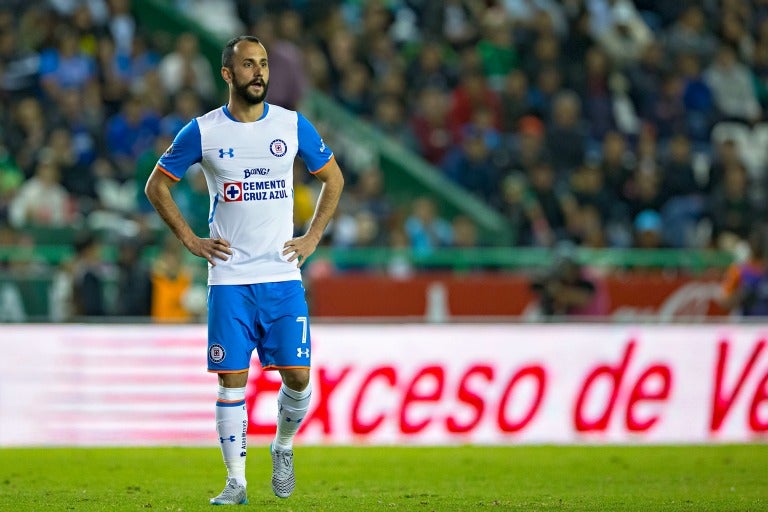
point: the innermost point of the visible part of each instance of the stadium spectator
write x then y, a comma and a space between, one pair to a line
550, 207
528, 146
82, 128
646, 77
732, 86
430, 68
121, 24
88, 277
11, 178
42, 200
430, 124
114, 73
627, 36
515, 100
354, 90
649, 233
130, 132
616, 163
565, 135
597, 97
588, 188
546, 85
564, 290
697, 98
644, 191
465, 233
171, 280
678, 175
497, 47
454, 21
75, 175
19, 66
26, 133
134, 285
186, 67
187, 105
286, 62
426, 230
371, 196
65, 66
471, 165
732, 211
690, 35
390, 118
668, 115
527, 13
472, 92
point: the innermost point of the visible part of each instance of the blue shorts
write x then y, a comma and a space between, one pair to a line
270, 317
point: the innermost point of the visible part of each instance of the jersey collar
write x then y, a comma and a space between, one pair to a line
230, 116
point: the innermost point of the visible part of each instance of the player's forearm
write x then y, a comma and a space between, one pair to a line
159, 194
326, 206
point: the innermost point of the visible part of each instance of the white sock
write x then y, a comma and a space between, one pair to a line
232, 426
292, 406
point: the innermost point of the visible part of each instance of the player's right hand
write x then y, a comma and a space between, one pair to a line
210, 249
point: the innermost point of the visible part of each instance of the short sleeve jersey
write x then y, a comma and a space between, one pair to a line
249, 171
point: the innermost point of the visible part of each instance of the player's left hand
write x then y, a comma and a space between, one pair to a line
300, 248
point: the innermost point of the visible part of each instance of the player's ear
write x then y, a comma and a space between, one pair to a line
226, 74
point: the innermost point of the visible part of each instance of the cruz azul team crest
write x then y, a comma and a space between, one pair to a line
278, 147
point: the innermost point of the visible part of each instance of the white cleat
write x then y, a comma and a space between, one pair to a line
283, 477
233, 494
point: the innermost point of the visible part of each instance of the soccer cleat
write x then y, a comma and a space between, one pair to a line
283, 477
233, 494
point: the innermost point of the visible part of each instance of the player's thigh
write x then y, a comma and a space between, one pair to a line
287, 341
232, 328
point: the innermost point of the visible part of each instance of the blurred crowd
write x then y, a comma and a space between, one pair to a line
603, 123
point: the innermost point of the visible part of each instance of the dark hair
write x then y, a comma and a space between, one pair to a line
229, 49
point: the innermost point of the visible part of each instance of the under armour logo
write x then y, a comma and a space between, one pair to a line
302, 352
231, 153
231, 439
288, 420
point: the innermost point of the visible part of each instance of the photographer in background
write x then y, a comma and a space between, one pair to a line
745, 286
564, 290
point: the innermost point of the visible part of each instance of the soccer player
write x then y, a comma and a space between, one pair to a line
255, 295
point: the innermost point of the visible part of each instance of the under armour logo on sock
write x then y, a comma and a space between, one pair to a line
231, 439
295, 421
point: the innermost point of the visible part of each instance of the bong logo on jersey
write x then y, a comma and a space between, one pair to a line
235, 191
260, 171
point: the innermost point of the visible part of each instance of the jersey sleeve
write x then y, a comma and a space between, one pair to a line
185, 151
312, 149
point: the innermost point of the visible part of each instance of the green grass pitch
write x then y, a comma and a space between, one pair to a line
489, 478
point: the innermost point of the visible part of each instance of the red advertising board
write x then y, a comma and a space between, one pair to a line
499, 295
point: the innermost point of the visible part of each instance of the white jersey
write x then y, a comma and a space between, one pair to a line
249, 171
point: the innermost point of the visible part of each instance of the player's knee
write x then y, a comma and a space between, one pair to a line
233, 380
297, 380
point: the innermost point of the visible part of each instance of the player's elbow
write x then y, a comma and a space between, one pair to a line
154, 187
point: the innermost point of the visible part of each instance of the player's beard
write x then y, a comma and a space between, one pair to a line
243, 90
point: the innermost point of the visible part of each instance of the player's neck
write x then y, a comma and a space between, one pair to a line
245, 112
